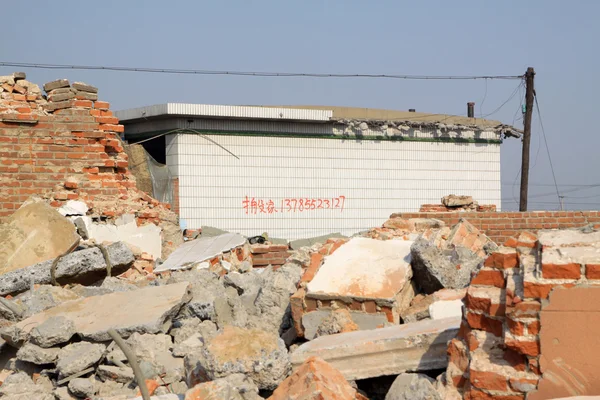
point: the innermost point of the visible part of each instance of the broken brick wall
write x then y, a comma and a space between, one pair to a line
65, 145
498, 353
500, 226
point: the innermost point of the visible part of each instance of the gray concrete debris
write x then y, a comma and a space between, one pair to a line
19, 75
194, 252
11, 310
43, 298
62, 393
457, 201
111, 390
38, 355
229, 309
78, 356
57, 84
413, 387
84, 87
210, 231
260, 355
53, 331
421, 224
113, 373
84, 266
73, 207
418, 310
297, 244
185, 328
272, 304
19, 386
322, 322
36, 232
189, 345
419, 346
233, 387
435, 269
205, 288
61, 97
147, 310
82, 387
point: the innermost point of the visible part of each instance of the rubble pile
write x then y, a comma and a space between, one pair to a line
457, 203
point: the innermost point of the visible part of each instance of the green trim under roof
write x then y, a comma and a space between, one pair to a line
394, 138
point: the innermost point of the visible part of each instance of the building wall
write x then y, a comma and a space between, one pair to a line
375, 177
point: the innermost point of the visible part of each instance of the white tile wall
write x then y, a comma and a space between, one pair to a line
377, 179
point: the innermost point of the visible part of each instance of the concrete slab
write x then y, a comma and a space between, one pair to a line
36, 232
364, 269
146, 237
194, 252
146, 310
568, 237
365, 321
418, 346
73, 207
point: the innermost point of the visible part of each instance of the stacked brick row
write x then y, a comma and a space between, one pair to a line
263, 255
497, 354
66, 145
501, 226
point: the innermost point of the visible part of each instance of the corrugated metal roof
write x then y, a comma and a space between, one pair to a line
224, 111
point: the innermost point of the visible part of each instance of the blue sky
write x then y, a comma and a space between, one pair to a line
557, 38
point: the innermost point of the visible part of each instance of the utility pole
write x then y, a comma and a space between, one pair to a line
529, 94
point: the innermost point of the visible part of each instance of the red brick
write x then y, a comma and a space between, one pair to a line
107, 120
526, 347
592, 271
484, 323
70, 185
533, 328
475, 394
561, 271
101, 105
485, 305
370, 306
537, 290
534, 366
525, 309
489, 277
502, 260
82, 103
457, 354
515, 327
111, 128
488, 380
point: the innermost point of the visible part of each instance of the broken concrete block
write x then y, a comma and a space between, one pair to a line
186, 328
19, 386
191, 253
418, 346
84, 87
84, 266
38, 355
270, 311
53, 331
146, 237
82, 387
233, 387
435, 269
422, 224
447, 303
457, 201
113, 373
413, 387
189, 345
315, 379
78, 356
73, 207
321, 321
43, 298
366, 269
240, 350
205, 288
81, 95
19, 75
418, 310
57, 84
147, 310
36, 232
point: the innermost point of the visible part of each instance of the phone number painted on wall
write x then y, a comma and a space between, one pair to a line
253, 206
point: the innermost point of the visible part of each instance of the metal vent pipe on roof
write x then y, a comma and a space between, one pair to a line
471, 109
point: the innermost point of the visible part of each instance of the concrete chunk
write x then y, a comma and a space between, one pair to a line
418, 346
84, 266
84, 87
37, 355
364, 268
53, 331
57, 84
19, 75
36, 232
194, 252
76, 357
147, 310
313, 322
413, 387
457, 201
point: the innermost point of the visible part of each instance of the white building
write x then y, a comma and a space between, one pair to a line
298, 172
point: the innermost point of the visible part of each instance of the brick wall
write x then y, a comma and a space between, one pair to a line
65, 145
500, 226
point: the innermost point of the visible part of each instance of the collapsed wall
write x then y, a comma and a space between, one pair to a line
511, 344
65, 145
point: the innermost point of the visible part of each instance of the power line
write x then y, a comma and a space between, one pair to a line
551, 184
253, 73
537, 106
